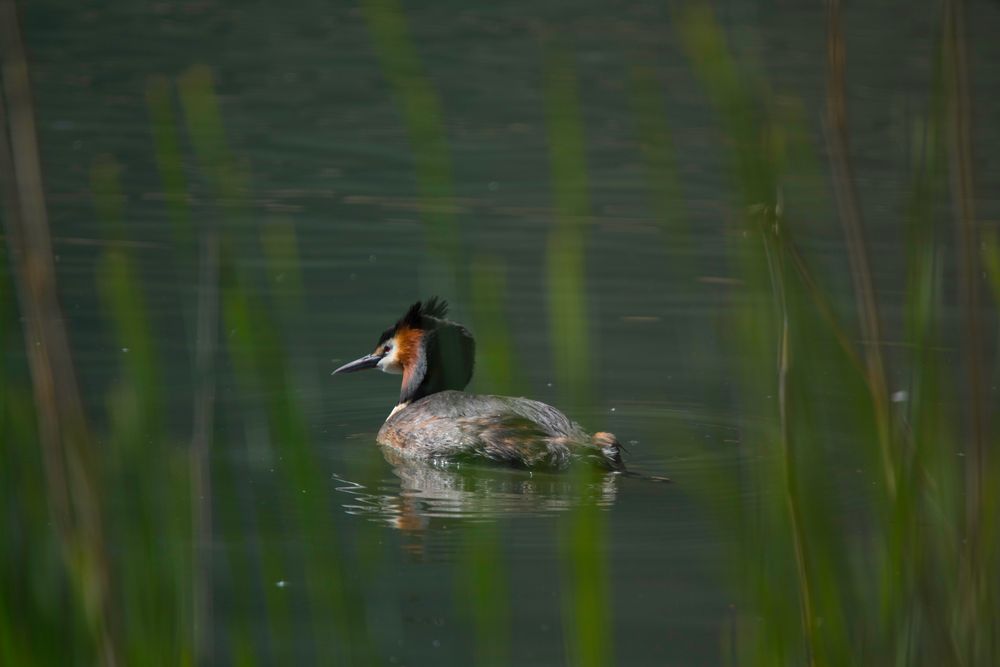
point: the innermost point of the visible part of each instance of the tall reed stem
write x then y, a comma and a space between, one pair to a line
849, 209
71, 468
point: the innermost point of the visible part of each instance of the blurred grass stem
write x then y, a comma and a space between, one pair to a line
776, 267
70, 464
422, 113
848, 206
201, 440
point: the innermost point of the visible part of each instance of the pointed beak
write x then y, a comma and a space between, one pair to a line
367, 361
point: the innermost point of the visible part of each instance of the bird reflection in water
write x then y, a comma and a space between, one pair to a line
434, 494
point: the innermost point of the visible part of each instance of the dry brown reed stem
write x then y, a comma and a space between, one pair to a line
962, 183
958, 132
71, 473
849, 209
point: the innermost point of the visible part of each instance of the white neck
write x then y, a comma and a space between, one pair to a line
397, 409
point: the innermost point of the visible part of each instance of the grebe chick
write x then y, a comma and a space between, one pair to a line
435, 419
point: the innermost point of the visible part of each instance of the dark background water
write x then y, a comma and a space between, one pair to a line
315, 122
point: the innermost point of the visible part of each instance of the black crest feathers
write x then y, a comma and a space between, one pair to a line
415, 317
435, 307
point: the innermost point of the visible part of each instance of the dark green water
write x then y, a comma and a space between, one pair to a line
376, 569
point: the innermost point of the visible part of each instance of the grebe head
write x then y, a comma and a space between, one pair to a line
433, 354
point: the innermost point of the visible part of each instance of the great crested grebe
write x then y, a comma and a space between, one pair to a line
435, 419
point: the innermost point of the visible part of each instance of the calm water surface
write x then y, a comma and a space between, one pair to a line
316, 123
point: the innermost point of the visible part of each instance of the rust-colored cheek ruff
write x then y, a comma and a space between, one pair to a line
407, 348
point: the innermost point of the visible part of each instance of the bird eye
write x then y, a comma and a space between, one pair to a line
385, 350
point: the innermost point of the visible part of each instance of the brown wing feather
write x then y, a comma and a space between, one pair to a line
514, 440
